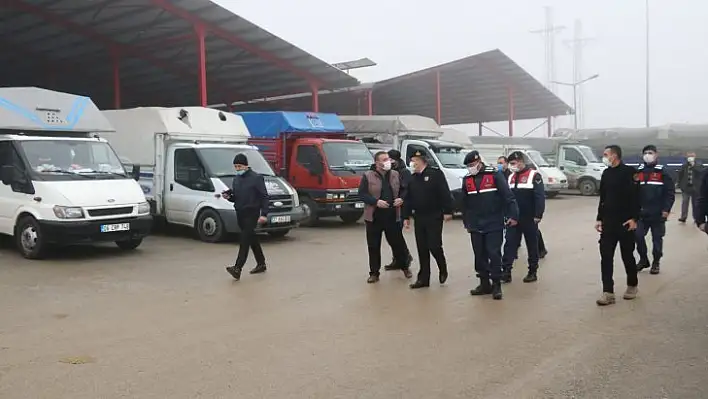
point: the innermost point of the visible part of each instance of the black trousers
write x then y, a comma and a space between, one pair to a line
408, 252
658, 231
529, 230
487, 249
541, 244
247, 223
428, 240
384, 222
613, 234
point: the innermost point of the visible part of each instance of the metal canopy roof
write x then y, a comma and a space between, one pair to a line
69, 45
473, 89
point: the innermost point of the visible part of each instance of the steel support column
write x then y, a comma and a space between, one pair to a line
201, 53
437, 98
315, 97
115, 61
549, 126
510, 93
370, 102
481, 129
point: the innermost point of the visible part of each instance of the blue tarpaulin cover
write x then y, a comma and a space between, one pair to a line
272, 124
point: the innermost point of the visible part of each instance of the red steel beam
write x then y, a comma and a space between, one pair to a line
230, 37
510, 93
370, 102
438, 106
201, 52
315, 98
97, 37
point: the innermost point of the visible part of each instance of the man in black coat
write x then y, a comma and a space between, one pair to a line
250, 198
689, 179
700, 212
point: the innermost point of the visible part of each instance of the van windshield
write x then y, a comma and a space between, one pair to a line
78, 158
220, 161
587, 152
348, 155
450, 157
537, 158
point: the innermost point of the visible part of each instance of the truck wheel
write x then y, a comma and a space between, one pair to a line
351, 218
310, 207
209, 226
587, 187
552, 194
129, 245
29, 239
279, 233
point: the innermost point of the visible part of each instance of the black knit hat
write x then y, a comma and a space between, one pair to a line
471, 156
241, 159
394, 154
516, 156
650, 147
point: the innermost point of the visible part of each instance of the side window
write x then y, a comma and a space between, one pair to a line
10, 157
308, 156
572, 155
413, 148
5, 153
189, 171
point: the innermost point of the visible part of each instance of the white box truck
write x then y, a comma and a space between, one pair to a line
185, 158
61, 183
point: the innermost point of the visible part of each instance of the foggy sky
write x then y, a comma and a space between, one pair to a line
402, 37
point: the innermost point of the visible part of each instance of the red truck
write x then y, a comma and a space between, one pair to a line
312, 152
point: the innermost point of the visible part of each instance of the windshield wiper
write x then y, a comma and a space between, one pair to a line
64, 172
343, 167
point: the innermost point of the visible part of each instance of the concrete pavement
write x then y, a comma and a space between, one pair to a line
167, 321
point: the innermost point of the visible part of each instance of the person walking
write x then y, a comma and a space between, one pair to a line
382, 192
700, 212
503, 166
399, 166
429, 203
656, 195
689, 179
527, 186
487, 202
250, 198
617, 214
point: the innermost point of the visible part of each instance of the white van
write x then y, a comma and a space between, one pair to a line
185, 160
61, 184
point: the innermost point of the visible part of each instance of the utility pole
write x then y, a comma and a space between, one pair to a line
549, 39
576, 45
647, 97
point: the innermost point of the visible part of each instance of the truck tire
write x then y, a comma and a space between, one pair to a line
351, 217
129, 245
587, 187
29, 239
310, 207
209, 226
279, 233
552, 194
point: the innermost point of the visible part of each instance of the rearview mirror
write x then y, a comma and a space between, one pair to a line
136, 172
7, 174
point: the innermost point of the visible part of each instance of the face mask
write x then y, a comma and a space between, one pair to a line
606, 161
513, 168
500, 167
240, 172
691, 159
649, 158
386, 165
473, 170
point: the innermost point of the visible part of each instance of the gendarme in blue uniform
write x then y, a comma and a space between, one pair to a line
656, 196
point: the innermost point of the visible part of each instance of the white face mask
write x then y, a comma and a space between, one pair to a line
386, 165
691, 159
412, 165
513, 168
606, 161
649, 158
473, 170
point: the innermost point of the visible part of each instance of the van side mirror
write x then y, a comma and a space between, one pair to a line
136, 172
7, 174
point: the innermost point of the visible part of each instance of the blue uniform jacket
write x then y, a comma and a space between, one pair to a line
527, 186
656, 191
486, 201
700, 213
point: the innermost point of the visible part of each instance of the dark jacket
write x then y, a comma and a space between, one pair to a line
403, 172
656, 191
248, 193
427, 194
696, 170
700, 213
487, 201
619, 196
371, 188
527, 186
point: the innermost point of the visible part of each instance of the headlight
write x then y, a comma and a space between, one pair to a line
296, 199
330, 196
68, 212
143, 208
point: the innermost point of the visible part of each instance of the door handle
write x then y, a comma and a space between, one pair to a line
172, 187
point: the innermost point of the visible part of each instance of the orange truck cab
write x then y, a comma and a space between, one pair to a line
312, 152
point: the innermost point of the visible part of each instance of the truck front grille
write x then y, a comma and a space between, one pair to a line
124, 210
280, 203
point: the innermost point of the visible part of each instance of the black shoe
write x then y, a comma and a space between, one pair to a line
442, 276
392, 266
235, 272
419, 284
496, 290
655, 267
407, 273
506, 277
259, 269
531, 277
484, 288
642, 264
682, 220
372, 279
542, 254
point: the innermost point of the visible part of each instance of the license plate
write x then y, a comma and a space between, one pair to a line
280, 219
108, 228
359, 205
